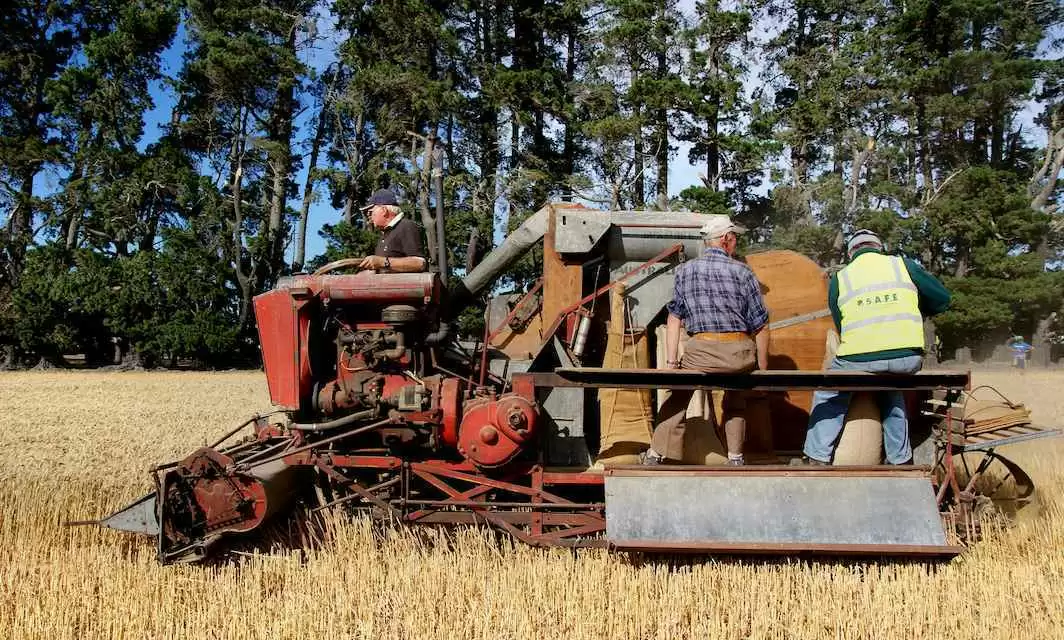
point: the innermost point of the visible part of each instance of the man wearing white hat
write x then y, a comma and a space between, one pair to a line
879, 303
718, 300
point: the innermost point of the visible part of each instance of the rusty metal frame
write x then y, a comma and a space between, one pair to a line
539, 517
958, 504
552, 520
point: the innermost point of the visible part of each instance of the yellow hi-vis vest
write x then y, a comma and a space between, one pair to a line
880, 306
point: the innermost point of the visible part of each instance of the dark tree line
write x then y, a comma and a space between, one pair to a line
805, 118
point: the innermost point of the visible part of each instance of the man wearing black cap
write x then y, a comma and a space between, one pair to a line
399, 248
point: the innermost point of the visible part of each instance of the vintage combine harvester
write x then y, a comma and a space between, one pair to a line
533, 431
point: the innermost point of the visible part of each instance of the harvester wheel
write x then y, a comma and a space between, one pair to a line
991, 487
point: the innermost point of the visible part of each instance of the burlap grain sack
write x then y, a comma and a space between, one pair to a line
625, 414
861, 442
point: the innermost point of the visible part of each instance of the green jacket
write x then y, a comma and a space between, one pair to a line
934, 299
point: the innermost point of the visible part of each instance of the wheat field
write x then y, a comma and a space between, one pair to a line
78, 444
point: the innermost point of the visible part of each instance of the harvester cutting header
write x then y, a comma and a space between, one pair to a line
537, 429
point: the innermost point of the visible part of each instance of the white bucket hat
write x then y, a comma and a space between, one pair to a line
717, 226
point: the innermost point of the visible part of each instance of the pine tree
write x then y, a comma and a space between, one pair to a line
238, 100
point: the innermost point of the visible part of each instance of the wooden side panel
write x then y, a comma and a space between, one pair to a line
562, 283
793, 285
521, 345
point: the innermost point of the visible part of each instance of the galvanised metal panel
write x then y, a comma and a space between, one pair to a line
805, 511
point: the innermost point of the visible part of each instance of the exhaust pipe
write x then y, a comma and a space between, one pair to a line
441, 226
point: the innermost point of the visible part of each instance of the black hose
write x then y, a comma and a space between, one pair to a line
315, 445
334, 424
439, 336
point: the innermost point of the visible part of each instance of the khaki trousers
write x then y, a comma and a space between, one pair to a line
733, 356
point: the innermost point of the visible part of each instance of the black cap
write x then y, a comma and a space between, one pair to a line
382, 197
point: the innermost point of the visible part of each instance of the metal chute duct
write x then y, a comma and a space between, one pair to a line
641, 236
498, 261
631, 235
441, 226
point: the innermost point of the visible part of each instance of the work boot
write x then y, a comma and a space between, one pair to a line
651, 458
806, 461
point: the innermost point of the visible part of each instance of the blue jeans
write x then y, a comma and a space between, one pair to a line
829, 412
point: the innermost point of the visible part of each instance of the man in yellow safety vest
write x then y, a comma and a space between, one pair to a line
878, 303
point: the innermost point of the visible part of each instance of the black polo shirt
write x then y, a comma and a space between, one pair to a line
403, 240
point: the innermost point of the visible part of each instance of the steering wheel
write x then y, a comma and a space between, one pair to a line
338, 264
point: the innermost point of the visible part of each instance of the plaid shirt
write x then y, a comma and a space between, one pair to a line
718, 294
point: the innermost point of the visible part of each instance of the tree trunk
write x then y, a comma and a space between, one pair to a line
860, 157
74, 202
147, 240
662, 121
638, 188
1041, 347
236, 178
425, 186
131, 361
931, 354
353, 155
981, 125
923, 146
488, 120
308, 187
349, 200
280, 165
713, 146
515, 160
662, 162
961, 268
21, 218
997, 138
1048, 172
569, 139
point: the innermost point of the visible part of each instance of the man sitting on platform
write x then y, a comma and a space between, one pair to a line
718, 300
878, 303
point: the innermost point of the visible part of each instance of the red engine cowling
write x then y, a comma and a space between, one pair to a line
285, 315
495, 430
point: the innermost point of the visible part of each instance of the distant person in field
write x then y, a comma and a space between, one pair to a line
399, 248
718, 301
879, 303
1020, 349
